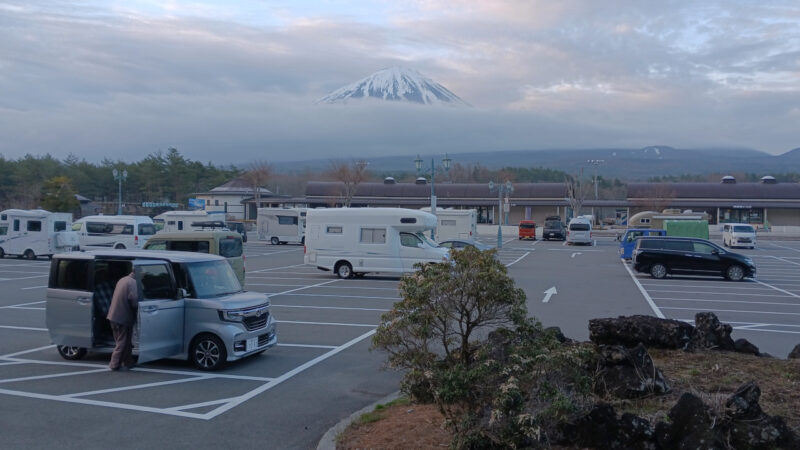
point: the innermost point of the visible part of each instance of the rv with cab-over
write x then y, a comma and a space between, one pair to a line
118, 232
33, 233
281, 225
355, 241
455, 224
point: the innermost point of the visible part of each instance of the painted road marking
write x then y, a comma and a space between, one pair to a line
649, 300
518, 259
549, 293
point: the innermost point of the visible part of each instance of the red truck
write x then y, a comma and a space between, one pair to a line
527, 229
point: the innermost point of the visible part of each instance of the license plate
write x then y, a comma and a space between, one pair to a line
252, 344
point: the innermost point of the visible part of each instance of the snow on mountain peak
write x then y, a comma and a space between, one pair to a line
396, 84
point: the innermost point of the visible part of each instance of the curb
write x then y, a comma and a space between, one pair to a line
328, 441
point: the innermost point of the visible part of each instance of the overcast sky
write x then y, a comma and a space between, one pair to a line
232, 81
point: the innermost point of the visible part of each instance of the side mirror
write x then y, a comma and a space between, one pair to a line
182, 293
715, 252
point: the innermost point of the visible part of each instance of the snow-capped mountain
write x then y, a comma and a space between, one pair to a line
396, 84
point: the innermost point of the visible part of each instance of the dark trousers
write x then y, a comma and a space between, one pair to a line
123, 337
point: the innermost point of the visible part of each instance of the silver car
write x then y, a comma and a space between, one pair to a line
191, 306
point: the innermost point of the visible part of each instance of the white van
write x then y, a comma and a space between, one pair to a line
175, 221
579, 231
119, 232
738, 235
455, 224
32, 233
282, 225
354, 241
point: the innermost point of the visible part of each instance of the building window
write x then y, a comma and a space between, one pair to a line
373, 235
216, 202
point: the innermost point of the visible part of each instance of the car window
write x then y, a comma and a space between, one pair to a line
72, 274
701, 247
680, 246
446, 245
156, 281
59, 225
230, 247
3, 230
579, 227
146, 229
410, 240
189, 246
743, 229
155, 245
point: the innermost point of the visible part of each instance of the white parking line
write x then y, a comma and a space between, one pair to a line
785, 247
341, 296
9, 327
138, 386
24, 278
22, 304
33, 287
723, 301
300, 322
307, 345
201, 405
723, 293
778, 289
518, 259
649, 300
734, 311
26, 307
54, 375
275, 268
330, 307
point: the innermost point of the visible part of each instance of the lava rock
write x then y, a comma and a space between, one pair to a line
795, 353
601, 429
745, 346
651, 331
692, 426
629, 373
710, 334
751, 428
556, 332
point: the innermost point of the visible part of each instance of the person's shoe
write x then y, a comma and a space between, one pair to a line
114, 369
124, 368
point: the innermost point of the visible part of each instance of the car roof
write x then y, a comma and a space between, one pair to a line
672, 238
195, 234
171, 256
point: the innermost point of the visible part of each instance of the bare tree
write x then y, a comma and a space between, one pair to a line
657, 197
576, 191
257, 174
351, 174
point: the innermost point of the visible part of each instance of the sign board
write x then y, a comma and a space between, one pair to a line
159, 205
742, 207
197, 203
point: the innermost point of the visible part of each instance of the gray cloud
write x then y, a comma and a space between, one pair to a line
95, 82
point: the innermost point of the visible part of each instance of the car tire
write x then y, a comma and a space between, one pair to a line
71, 353
344, 270
303, 240
119, 247
2, 253
658, 271
274, 241
29, 254
734, 273
207, 352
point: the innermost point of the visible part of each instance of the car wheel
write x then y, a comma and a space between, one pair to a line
120, 247
71, 353
274, 241
208, 352
658, 271
2, 253
734, 273
344, 270
29, 254
303, 240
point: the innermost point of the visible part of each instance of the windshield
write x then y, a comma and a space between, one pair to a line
425, 239
743, 229
527, 225
213, 279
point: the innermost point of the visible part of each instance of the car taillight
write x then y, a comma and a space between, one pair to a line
304, 249
136, 240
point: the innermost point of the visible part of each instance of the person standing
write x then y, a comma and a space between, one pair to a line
122, 315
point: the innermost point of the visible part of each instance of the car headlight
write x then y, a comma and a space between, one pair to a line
231, 316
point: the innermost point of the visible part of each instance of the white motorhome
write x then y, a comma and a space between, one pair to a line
281, 225
32, 233
455, 224
119, 232
355, 241
175, 221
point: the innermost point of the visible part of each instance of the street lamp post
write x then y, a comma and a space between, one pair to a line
507, 189
595, 163
446, 164
120, 176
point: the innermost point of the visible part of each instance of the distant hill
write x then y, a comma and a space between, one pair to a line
622, 163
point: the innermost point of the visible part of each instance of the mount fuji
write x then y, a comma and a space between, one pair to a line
396, 84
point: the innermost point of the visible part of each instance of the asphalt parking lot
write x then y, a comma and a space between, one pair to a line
322, 369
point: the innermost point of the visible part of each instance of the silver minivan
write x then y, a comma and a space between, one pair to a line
191, 305
738, 235
579, 231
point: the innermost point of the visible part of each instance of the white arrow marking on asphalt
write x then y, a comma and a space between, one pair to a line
576, 253
549, 293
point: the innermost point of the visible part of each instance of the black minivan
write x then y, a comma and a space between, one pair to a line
660, 256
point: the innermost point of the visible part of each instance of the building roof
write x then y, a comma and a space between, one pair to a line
715, 191
237, 186
333, 189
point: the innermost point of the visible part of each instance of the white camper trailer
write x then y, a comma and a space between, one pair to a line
119, 232
354, 241
281, 225
32, 233
176, 221
455, 224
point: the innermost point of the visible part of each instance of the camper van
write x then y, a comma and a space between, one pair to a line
119, 232
174, 221
33, 233
455, 224
355, 241
654, 219
281, 225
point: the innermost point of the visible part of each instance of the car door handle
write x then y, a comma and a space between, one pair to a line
83, 300
149, 308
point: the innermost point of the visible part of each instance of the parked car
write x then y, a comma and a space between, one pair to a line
227, 244
527, 229
661, 256
554, 229
628, 240
462, 243
579, 231
191, 306
738, 235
